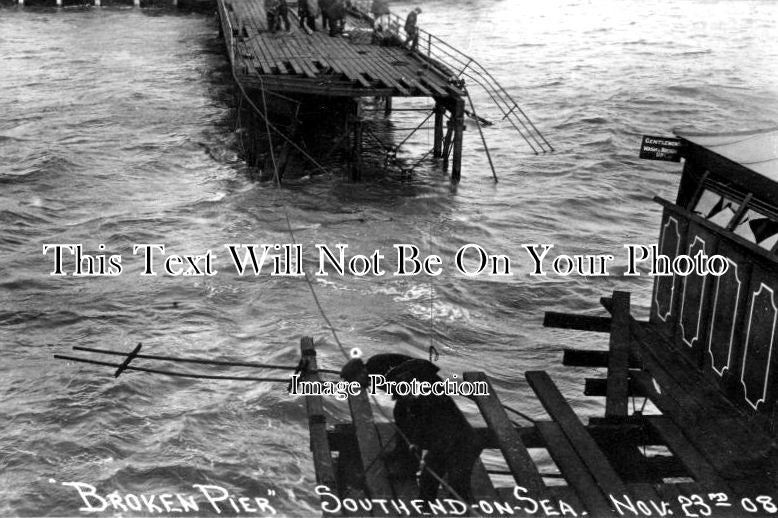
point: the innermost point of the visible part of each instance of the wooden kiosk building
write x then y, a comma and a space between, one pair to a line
706, 445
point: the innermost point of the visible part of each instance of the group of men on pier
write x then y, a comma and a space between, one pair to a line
333, 15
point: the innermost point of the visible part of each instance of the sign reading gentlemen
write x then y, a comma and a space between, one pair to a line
661, 148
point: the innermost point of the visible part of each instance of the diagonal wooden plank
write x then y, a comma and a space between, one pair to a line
573, 469
524, 470
370, 448
481, 484
317, 424
692, 459
594, 459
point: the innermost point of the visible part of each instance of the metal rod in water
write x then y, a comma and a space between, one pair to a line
483, 139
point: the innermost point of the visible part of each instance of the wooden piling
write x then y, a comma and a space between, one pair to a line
617, 398
447, 143
356, 155
459, 128
387, 106
437, 146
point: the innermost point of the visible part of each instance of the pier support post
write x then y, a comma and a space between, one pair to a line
437, 146
136, 3
447, 142
459, 127
356, 154
97, 3
59, 3
387, 106
21, 2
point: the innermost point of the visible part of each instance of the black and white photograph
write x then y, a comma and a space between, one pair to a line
450, 258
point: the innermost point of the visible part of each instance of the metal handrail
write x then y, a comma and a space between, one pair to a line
459, 64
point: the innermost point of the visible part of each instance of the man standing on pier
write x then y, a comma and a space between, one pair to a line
325, 6
271, 11
337, 15
308, 10
380, 10
283, 16
411, 29
277, 11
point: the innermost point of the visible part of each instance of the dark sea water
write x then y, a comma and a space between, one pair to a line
117, 127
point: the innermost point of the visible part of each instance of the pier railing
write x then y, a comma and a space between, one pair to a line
452, 61
228, 30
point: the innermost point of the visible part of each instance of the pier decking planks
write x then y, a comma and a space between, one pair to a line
369, 68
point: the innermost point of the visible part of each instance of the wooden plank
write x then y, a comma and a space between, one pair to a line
616, 399
374, 65
317, 424
270, 52
303, 57
588, 358
370, 450
524, 470
597, 387
579, 322
556, 406
691, 459
574, 470
404, 488
264, 54
480, 483
741, 464
345, 68
740, 453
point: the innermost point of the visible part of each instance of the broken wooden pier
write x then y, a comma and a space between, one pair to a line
285, 74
